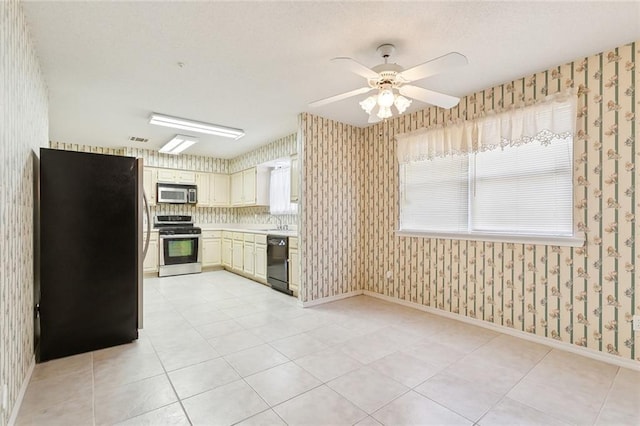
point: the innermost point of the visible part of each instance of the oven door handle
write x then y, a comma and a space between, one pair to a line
171, 237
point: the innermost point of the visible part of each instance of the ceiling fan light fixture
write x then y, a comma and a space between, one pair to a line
384, 112
368, 104
402, 103
386, 98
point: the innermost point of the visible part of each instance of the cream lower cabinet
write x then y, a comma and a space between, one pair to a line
260, 267
227, 249
211, 248
249, 254
237, 261
294, 266
150, 263
245, 253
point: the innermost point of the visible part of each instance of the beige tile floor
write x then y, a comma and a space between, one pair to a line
218, 349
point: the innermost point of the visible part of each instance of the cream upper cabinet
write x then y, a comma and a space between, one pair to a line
219, 190
176, 176
250, 187
149, 181
202, 182
295, 170
237, 189
183, 176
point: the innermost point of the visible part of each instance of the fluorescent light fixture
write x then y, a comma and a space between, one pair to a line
178, 144
195, 126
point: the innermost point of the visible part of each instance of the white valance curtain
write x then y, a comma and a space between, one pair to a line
552, 118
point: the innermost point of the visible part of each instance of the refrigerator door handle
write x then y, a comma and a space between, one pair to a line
146, 209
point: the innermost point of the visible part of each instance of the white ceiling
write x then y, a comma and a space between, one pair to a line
256, 65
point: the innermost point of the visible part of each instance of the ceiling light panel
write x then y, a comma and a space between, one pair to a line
178, 144
195, 126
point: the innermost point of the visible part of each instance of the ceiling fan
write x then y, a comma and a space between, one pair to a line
391, 82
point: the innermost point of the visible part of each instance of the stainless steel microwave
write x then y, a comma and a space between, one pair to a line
177, 194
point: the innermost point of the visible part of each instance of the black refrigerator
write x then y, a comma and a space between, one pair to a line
90, 238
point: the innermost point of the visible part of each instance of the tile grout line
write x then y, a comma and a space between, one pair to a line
606, 398
166, 374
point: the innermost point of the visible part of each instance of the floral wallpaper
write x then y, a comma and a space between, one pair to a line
280, 148
331, 207
24, 129
584, 296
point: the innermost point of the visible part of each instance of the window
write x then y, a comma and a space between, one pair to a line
506, 176
280, 192
518, 190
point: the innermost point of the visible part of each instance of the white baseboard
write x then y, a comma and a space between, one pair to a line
23, 390
564, 346
329, 299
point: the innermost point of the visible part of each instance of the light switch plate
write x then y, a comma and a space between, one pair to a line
636, 323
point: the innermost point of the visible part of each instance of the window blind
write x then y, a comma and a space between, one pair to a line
434, 195
524, 189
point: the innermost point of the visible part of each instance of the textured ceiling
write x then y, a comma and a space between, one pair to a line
256, 65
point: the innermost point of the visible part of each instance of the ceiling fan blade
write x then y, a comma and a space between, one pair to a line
434, 66
356, 67
340, 97
429, 96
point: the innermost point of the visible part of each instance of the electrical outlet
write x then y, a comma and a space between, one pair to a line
636, 323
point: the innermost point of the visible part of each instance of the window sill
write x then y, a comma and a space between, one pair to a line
576, 240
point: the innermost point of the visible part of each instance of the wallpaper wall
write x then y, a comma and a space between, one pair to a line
24, 118
585, 296
279, 148
330, 222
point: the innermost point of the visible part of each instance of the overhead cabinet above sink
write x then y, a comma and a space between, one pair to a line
250, 187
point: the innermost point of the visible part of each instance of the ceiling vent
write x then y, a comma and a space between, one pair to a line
137, 139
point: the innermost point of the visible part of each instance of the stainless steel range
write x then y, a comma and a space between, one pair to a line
180, 245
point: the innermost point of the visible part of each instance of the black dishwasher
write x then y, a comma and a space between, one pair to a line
278, 263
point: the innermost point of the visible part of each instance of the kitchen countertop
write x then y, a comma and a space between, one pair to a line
265, 230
